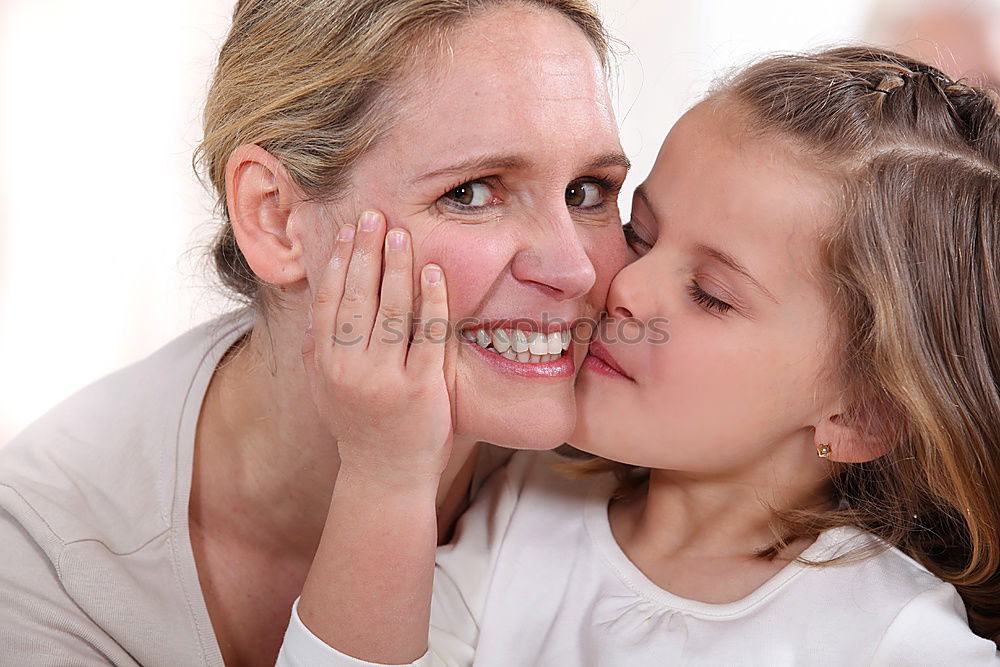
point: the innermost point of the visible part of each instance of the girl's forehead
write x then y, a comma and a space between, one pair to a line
742, 196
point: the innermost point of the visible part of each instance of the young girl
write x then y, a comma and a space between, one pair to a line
808, 470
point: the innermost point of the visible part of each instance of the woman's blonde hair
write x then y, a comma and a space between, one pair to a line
912, 268
311, 82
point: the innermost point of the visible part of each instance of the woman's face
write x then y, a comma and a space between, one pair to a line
504, 164
725, 230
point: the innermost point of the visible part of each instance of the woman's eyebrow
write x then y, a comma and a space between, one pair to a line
515, 163
615, 159
479, 163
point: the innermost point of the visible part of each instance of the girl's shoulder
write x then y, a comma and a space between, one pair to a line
872, 586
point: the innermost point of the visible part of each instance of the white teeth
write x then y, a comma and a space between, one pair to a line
520, 342
523, 346
538, 343
501, 341
555, 343
482, 338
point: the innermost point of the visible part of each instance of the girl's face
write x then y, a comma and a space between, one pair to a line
504, 164
725, 234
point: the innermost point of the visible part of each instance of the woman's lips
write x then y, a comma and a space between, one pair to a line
600, 361
562, 367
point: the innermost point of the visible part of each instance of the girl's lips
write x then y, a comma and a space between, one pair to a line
600, 361
559, 369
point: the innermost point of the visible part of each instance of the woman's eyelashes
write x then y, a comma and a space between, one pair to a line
478, 196
471, 196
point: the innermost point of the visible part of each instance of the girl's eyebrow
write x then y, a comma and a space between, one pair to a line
516, 163
730, 261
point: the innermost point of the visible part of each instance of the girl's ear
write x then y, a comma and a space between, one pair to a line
260, 195
854, 440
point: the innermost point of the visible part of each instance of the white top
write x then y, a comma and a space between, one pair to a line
534, 577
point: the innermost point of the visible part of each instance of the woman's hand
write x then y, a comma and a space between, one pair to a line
381, 392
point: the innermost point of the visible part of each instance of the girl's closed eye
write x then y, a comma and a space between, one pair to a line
708, 301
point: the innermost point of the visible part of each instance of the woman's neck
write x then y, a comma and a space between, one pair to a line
265, 464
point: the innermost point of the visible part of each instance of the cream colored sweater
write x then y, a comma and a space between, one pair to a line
96, 563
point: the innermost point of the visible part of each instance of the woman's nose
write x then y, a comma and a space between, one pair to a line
557, 262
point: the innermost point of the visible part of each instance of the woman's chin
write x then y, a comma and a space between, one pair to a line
541, 431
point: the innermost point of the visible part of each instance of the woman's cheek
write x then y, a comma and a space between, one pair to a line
472, 256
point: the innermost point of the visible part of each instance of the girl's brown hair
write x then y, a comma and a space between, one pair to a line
311, 82
913, 271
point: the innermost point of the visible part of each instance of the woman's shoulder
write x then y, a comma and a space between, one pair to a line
100, 464
92, 572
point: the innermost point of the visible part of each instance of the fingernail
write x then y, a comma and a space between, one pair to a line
397, 240
346, 233
309, 319
369, 221
432, 274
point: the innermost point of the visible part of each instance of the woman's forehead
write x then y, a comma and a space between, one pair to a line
539, 82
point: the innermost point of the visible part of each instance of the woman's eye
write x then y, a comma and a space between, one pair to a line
584, 195
473, 194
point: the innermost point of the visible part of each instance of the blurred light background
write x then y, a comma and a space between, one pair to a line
103, 224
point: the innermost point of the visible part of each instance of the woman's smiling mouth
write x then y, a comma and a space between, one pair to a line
524, 349
529, 347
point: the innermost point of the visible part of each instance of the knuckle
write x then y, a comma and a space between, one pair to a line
393, 311
354, 296
435, 296
325, 296
435, 329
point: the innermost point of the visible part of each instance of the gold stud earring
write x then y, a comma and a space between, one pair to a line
824, 451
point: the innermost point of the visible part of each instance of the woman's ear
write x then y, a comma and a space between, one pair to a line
260, 196
854, 440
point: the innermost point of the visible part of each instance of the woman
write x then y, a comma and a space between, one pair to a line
170, 514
